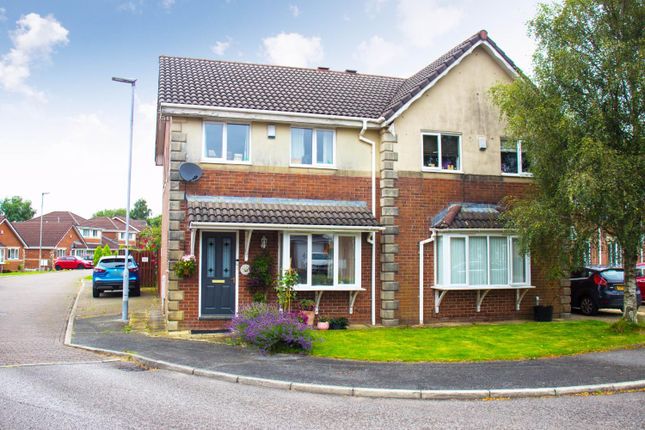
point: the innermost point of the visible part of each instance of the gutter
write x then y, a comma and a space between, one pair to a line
286, 227
372, 238
421, 245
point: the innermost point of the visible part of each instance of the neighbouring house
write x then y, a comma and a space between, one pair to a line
606, 251
381, 192
12, 247
110, 231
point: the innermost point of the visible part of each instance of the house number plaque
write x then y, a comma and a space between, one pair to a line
245, 269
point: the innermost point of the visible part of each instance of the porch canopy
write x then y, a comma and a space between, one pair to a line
478, 253
282, 214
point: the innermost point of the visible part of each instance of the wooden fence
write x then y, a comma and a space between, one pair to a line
148, 262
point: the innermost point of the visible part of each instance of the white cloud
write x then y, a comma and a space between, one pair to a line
376, 55
3, 14
220, 47
421, 21
293, 49
33, 40
167, 4
374, 7
132, 6
295, 10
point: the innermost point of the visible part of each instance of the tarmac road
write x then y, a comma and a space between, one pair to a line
44, 384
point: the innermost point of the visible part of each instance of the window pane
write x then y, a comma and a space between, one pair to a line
519, 268
478, 261
498, 260
430, 151
322, 259
325, 147
439, 261
237, 142
509, 156
457, 260
526, 166
213, 136
450, 152
346, 260
301, 146
298, 253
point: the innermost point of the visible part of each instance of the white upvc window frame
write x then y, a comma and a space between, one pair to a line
131, 235
10, 251
2, 255
60, 252
446, 256
314, 148
286, 257
439, 168
223, 159
90, 232
518, 151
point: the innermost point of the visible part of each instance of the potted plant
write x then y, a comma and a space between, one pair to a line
542, 313
340, 323
185, 268
307, 308
323, 323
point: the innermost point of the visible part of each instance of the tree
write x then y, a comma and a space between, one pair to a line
581, 122
16, 209
109, 213
150, 238
140, 210
155, 221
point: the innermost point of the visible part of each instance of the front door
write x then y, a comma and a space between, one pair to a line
218, 274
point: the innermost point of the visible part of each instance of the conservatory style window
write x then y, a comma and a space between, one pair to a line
481, 260
324, 259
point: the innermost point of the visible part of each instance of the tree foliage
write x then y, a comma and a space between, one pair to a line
581, 122
140, 210
109, 213
16, 209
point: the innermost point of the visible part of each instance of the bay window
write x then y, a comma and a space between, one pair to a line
480, 260
312, 147
323, 259
441, 151
224, 142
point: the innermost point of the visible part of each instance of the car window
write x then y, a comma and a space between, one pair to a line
116, 262
613, 275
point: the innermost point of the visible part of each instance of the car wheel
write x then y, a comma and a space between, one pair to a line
79, 267
58, 267
95, 292
588, 306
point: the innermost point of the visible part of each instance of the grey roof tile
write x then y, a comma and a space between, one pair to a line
468, 215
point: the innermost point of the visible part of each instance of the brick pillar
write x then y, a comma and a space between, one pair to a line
565, 298
176, 235
389, 247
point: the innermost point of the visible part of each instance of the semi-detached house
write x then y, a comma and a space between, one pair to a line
383, 193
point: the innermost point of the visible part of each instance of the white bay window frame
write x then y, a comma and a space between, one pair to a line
223, 158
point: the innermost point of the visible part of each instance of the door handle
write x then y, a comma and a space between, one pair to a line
217, 281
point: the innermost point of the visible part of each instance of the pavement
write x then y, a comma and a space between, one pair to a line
605, 371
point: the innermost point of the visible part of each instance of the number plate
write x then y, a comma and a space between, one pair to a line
620, 287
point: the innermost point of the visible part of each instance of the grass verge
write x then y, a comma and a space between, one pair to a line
480, 342
7, 274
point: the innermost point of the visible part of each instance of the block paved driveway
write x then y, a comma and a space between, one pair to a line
44, 385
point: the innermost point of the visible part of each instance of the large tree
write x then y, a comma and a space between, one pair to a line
140, 210
581, 120
109, 213
16, 209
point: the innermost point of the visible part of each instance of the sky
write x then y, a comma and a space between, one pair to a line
65, 123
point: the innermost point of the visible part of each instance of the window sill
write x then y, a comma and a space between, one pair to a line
328, 288
313, 166
220, 161
437, 170
518, 175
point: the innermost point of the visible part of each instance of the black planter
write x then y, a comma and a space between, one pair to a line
543, 313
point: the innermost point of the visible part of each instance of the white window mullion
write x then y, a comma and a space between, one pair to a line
440, 163
314, 147
467, 251
224, 141
309, 260
358, 250
488, 262
509, 260
335, 261
518, 148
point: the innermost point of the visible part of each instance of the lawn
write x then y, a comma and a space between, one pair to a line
21, 273
474, 342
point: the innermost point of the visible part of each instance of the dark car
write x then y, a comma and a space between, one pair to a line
598, 287
71, 262
108, 275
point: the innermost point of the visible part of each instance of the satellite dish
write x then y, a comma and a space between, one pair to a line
190, 172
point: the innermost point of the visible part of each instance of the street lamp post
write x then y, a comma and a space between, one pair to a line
40, 246
126, 271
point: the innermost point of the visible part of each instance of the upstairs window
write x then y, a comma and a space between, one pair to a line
441, 151
228, 143
87, 232
122, 236
313, 147
514, 159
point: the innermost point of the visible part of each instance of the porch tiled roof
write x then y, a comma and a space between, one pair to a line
279, 211
468, 215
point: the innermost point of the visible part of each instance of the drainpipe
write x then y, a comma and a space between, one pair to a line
372, 237
421, 244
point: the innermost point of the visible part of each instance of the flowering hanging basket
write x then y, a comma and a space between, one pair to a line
185, 268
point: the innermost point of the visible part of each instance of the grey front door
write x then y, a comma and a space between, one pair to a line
218, 274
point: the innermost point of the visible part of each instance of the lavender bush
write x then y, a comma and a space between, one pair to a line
270, 330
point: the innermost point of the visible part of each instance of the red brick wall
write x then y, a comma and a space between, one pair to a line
9, 239
243, 184
420, 199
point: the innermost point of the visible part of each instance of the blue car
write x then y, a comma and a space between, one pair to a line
108, 275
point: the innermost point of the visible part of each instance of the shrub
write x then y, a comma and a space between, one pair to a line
185, 267
270, 330
340, 323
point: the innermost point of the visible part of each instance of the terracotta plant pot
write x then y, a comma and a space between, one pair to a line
323, 325
310, 317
